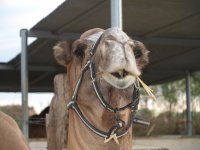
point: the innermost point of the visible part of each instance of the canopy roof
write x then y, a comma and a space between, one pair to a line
170, 30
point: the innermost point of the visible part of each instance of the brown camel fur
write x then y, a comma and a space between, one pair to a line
115, 53
11, 137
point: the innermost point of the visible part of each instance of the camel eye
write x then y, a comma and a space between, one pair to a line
79, 50
137, 52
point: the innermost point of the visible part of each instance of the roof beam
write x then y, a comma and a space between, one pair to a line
188, 42
172, 41
50, 35
31, 68
151, 71
150, 40
6, 67
38, 88
171, 57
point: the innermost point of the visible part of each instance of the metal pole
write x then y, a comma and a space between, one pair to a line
116, 13
188, 102
24, 81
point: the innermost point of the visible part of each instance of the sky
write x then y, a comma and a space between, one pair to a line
15, 15
18, 14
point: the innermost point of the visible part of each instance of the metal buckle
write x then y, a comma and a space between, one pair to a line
140, 121
70, 104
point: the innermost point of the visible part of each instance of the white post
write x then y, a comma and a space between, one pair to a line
116, 13
24, 81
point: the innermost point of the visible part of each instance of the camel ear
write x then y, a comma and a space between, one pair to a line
62, 53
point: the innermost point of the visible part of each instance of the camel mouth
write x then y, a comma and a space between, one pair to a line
120, 79
120, 74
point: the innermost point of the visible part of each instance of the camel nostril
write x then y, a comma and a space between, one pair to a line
120, 74
125, 73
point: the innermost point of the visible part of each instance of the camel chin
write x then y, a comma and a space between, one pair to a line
118, 80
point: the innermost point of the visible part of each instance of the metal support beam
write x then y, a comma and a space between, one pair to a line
188, 102
116, 13
6, 67
169, 41
151, 40
24, 81
42, 68
50, 35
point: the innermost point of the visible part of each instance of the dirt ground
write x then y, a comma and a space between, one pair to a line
147, 143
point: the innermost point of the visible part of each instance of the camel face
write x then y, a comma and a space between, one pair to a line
118, 62
118, 58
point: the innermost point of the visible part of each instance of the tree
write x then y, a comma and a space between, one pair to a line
172, 90
195, 85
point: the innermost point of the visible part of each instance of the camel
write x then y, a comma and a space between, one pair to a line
102, 88
11, 137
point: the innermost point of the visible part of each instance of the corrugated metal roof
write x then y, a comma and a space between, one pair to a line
170, 29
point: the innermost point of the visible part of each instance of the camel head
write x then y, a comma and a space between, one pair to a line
118, 58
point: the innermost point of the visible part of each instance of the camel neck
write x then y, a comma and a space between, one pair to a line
101, 119
80, 137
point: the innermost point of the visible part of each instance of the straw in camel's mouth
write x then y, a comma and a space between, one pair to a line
120, 79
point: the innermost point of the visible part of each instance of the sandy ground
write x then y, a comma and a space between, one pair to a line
38, 144
152, 143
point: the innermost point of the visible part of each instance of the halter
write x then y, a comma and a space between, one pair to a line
133, 105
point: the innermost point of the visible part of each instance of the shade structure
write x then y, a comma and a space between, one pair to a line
169, 29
